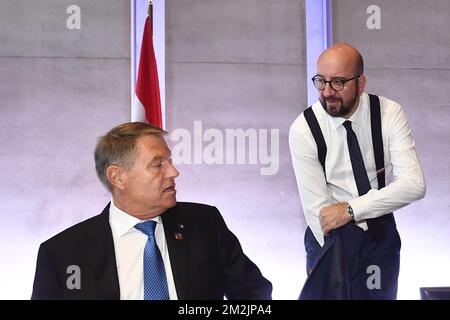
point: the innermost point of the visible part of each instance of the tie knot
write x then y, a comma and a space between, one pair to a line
147, 227
348, 125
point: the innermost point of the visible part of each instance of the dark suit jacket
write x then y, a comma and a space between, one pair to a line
340, 270
337, 273
207, 263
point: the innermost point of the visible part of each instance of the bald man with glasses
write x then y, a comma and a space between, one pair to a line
355, 163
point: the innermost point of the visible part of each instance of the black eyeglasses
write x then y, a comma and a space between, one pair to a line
336, 84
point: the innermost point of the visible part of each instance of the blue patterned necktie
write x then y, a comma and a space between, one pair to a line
360, 174
359, 169
155, 281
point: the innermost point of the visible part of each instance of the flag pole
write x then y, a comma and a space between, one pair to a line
150, 12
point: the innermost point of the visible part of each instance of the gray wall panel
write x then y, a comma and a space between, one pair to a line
410, 86
236, 31
235, 95
431, 130
38, 29
413, 34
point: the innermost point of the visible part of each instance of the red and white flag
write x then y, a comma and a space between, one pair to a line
147, 84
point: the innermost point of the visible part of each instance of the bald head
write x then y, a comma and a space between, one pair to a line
341, 58
344, 64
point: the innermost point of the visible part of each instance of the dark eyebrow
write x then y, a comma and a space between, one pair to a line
332, 78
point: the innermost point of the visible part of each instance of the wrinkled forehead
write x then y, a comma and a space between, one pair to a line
152, 146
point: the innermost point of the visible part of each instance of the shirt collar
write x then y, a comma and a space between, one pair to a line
122, 222
360, 117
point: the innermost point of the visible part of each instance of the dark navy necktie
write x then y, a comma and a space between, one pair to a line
359, 169
155, 280
361, 178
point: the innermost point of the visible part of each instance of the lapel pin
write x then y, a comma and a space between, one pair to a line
181, 226
178, 236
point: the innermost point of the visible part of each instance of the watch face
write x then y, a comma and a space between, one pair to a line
350, 211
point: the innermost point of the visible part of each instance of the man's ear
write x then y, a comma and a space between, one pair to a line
362, 84
116, 176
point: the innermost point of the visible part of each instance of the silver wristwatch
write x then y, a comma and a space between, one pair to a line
350, 211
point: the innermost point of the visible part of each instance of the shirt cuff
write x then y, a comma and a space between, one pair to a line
360, 206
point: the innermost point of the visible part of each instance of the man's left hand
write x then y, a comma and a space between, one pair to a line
334, 216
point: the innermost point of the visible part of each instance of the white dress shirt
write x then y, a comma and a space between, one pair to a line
405, 181
129, 244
